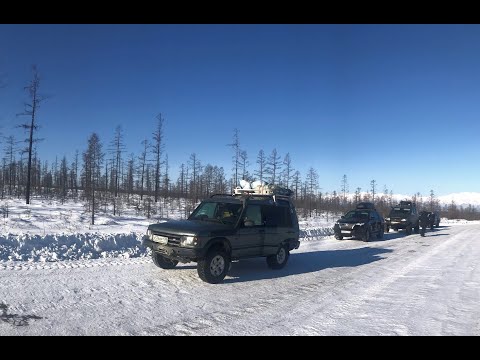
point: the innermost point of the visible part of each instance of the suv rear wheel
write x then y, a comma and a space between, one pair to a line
279, 260
163, 262
214, 267
380, 234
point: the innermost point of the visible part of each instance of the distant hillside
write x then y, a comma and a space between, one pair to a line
461, 198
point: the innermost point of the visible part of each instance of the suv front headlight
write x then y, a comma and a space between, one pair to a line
188, 241
149, 234
404, 219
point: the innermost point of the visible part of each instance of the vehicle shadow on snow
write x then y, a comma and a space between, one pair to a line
386, 237
303, 263
399, 234
431, 235
389, 236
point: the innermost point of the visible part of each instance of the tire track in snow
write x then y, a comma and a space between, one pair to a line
219, 322
323, 292
107, 293
17, 266
339, 310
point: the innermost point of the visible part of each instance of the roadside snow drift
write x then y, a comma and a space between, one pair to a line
70, 247
60, 247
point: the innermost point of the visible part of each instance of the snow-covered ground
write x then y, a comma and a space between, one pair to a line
402, 285
61, 276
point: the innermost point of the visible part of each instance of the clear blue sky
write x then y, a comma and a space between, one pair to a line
396, 103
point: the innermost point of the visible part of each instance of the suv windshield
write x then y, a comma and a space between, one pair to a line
227, 213
357, 214
400, 212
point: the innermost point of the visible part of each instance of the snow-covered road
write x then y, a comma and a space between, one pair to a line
405, 285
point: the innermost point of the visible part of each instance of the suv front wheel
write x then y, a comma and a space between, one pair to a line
214, 267
163, 262
366, 235
279, 260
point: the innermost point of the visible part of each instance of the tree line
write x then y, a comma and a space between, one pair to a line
106, 178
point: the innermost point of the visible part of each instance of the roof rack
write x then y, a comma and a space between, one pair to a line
365, 205
263, 190
220, 195
406, 204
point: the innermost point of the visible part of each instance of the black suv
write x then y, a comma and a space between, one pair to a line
403, 216
363, 222
433, 219
224, 228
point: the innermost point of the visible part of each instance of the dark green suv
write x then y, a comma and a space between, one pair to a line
224, 228
403, 216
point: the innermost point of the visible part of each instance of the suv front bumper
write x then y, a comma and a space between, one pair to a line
174, 252
349, 231
397, 224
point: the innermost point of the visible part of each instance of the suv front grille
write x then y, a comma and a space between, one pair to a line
172, 239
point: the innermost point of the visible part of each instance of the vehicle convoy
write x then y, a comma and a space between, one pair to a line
259, 222
363, 223
403, 216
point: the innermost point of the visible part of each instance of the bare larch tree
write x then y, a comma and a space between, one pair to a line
373, 185
244, 164
117, 147
31, 109
262, 163
93, 159
287, 172
142, 163
311, 183
296, 183
273, 167
344, 189
158, 147
236, 156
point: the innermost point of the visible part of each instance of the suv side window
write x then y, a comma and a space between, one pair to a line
287, 216
253, 213
277, 216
